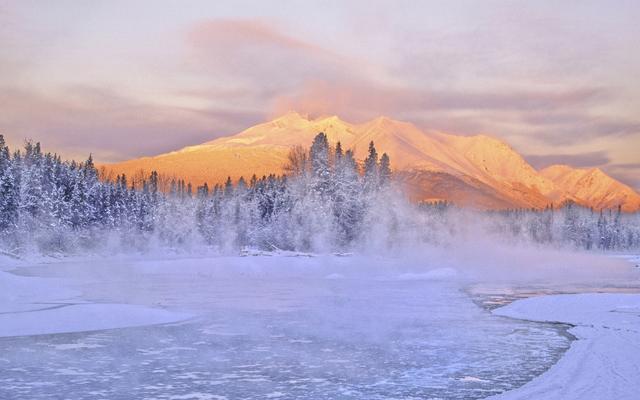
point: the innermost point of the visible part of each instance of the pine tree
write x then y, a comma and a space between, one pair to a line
228, 187
320, 168
385, 169
348, 204
371, 168
56, 205
338, 154
154, 185
9, 197
4, 156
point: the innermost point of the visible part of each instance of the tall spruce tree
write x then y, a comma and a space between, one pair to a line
385, 169
320, 168
371, 168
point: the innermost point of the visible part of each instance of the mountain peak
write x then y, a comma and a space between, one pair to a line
330, 118
291, 116
558, 170
385, 121
597, 171
478, 166
593, 187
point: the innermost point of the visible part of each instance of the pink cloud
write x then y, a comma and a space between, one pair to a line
366, 99
112, 127
254, 52
236, 34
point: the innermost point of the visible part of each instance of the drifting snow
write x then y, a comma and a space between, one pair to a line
603, 363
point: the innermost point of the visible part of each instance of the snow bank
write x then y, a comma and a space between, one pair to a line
36, 306
82, 317
604, 363
19, 293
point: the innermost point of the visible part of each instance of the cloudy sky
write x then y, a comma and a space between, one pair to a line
558, 80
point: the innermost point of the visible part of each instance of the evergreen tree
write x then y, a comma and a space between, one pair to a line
4, 156
320, 168
338, 153
55, 206
228, 187
385, 169
9, 197
371, 168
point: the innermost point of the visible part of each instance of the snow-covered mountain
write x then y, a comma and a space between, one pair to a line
593, 187
470, 170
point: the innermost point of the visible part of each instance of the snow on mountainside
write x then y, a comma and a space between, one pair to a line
472, 170
593, 187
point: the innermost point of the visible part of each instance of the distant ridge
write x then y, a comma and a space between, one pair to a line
478, 171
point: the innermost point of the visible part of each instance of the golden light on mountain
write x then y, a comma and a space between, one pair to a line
478, 171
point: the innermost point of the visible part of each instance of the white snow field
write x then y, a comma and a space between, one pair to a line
604, 361
334, 327
37, 306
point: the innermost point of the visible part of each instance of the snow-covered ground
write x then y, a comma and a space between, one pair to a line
604, 361
37, 306
283, 326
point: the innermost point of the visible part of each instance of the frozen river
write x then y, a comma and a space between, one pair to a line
263, 331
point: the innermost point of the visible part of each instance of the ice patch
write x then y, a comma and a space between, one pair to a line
198, 396
73, 372
220, 330
84, 317
76, 346
434, 274
472, 379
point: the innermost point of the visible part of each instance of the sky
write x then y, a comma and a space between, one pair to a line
558, 81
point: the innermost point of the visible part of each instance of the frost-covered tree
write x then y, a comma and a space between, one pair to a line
324, 203
385, 169
9, 184
320, 167
371, 178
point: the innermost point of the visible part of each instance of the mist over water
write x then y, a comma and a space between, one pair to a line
327, 284
358, 327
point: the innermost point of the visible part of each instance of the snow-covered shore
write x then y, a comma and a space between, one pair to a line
604, 361
37, 306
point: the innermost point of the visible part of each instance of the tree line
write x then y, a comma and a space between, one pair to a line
569, 225
326, 201
50, 205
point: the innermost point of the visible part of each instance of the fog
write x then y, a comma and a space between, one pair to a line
324, 284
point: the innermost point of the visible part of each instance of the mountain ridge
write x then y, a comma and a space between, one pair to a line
479, 170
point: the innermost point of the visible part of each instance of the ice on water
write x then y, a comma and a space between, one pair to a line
263, 332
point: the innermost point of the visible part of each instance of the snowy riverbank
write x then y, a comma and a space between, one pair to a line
38, 306
604, 361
